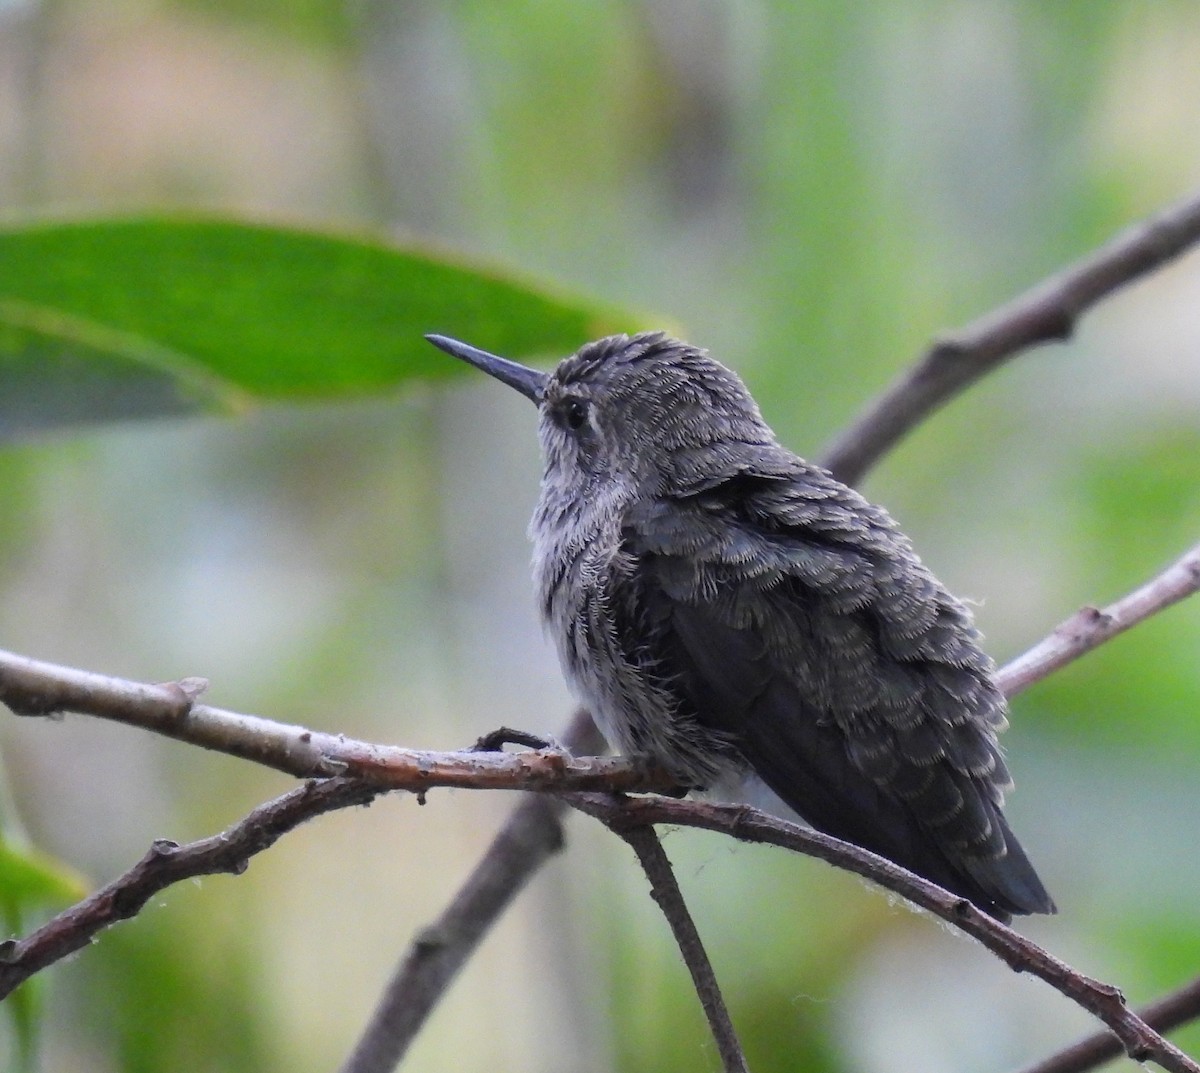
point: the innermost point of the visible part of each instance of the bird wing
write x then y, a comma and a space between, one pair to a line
792, 617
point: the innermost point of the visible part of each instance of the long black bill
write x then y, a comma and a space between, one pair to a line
529, 382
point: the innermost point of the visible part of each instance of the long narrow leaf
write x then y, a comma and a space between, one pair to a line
113, 319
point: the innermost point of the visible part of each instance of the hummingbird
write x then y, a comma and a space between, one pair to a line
729, 610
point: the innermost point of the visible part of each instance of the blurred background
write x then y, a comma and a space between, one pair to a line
812, 191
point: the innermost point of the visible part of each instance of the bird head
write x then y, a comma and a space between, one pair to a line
647, 410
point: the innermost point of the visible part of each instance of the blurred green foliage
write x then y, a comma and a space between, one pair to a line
31, 884
174, 992
1137, 509
814, 190
315, 23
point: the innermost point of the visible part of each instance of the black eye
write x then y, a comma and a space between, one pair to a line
575, 413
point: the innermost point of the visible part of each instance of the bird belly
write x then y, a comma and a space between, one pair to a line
636, 711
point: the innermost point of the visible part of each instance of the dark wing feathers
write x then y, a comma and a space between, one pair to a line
793, 618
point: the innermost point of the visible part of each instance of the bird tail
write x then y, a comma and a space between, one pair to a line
1009, 882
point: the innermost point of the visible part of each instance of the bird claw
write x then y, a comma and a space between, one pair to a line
495, 741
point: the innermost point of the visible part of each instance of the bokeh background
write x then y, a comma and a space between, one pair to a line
812, 190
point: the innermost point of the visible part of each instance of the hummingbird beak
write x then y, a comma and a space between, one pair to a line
529, 382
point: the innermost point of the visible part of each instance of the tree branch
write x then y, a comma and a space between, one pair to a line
530, 836
1090, 627
1046, 313
166, 863
747, 824
1162, 1015
664, 889
32, 687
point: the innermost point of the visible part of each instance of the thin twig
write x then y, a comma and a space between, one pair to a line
664, 889
1046, 313
1162, 1015
747, 824
1091, 627
166, 863
530, 836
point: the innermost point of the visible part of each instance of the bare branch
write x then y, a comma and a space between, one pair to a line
665, 891
747, 824
31, 687
1090, 627
1046, 313
166, 863
527, 840
1162, 1015
530, 836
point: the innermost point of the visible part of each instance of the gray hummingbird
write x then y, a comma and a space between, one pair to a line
725, 608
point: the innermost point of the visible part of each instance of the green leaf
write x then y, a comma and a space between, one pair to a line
30, 881
111, 319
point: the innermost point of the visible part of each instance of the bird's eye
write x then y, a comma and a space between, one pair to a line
575, 413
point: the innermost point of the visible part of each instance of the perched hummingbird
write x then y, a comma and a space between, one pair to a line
724, 607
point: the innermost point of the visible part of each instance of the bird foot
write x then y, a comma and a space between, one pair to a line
495, 741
